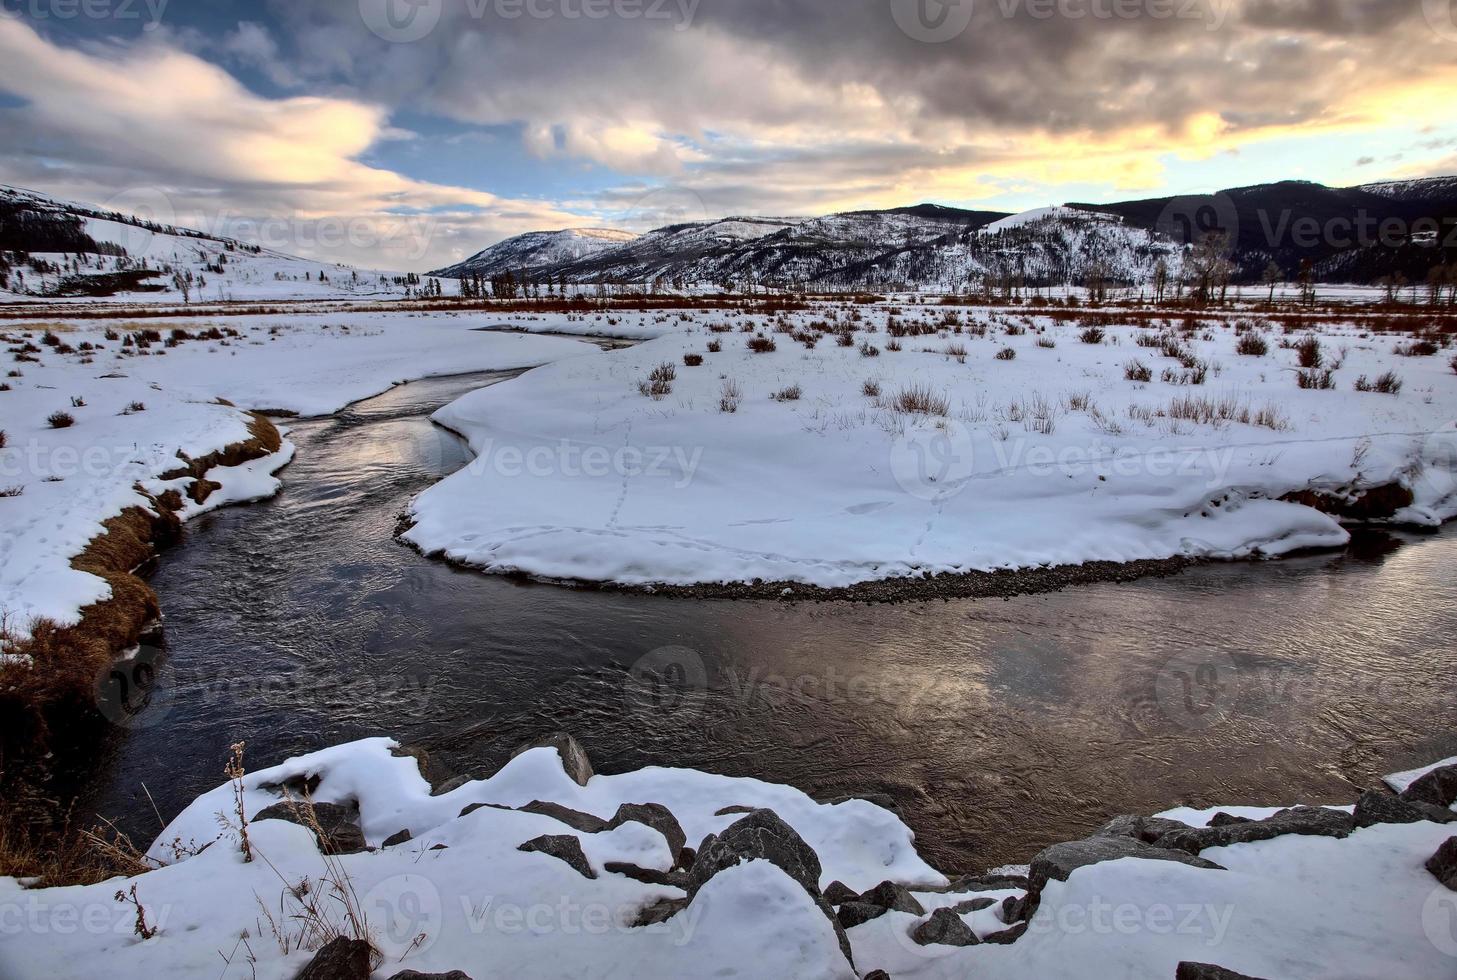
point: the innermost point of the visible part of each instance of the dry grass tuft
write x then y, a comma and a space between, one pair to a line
920, 400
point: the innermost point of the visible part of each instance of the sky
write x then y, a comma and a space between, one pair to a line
408, 134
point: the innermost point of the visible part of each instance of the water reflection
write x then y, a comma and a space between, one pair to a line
995, 726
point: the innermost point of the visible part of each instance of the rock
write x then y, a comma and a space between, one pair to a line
1443, 864
482, 806
889, 895
1438, 787
986, 883
883, 800
417, 975
451, 785
660, 912
1007, 936
574, 758
1059, 861
731, 811
1227, 820
877, 975
1015, 909
1146, 829
975, 905
338, 827
342, 959
431, 771
1206, 971
648, 876
761, 835
576, 819
944, 928
838, 893
853, 914
563, 848
764, 836
1304, 820
1376, 807
656, 816
686, 857
403, 837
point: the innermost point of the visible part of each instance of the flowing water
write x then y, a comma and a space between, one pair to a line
995, 727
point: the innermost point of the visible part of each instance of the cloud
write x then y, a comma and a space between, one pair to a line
111, 118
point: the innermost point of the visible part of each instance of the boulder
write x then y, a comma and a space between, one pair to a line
656, 816
838, 893
648, 876
853, 914
1438, 787
660, 912
1059, 861
889, 895
403, 837
576, 819
985, 883
1304, 820
761, 835
1146, 829
451, 785
563, 848
1007, 936
1015, 909
342, 959
944, 928
1227, 820
1443, 864
337, 827
417, 975
764, 836
573, 756
733, 811
975, 905
1206, 971
1376, 807
482, 806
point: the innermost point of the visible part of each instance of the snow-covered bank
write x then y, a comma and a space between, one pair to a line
986, 442
97, 417
546, 869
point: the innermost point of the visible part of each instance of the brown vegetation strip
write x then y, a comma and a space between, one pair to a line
58, 687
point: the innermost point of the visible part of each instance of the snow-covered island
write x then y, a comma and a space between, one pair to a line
350, 863
843, 445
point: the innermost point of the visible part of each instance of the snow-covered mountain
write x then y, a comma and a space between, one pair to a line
923, 247
538, 249
1420, 189
55, 248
